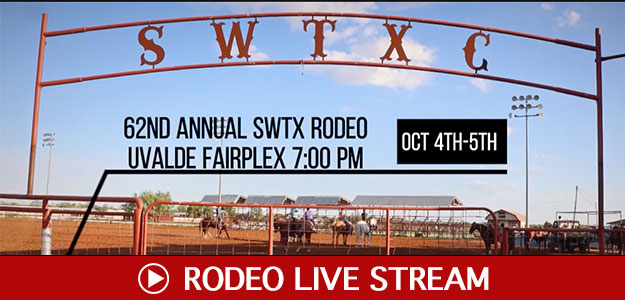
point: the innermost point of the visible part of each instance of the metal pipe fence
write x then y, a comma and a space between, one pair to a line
562, 241
31, 229
262, 229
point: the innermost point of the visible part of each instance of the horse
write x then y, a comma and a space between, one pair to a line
302, 229
362, 230
615, 240
340, 228
282, 225
486, 232
295, 229
539, 236
207, 223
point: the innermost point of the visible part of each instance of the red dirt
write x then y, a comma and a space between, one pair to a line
22, 236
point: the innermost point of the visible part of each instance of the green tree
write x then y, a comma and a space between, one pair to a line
195, 211
103, 208
229, 211
256, 214
66, 205
149, 197
181, 209
129, 207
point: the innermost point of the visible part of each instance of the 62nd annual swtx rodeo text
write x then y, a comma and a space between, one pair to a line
233, 128
233, 157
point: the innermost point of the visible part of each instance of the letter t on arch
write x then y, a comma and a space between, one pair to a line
319, 35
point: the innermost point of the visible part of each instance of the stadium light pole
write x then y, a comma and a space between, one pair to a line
48, 140
527, 106
221, 145
46, 229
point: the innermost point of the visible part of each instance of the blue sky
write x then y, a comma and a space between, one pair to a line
88, 117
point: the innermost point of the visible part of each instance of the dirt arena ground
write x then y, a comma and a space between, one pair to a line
184, 240
23, 236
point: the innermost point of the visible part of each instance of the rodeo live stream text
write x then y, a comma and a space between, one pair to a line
378, 278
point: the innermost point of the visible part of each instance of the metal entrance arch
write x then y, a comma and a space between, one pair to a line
597, 97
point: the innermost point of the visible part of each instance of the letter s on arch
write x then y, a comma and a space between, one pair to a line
469, 50
149, 45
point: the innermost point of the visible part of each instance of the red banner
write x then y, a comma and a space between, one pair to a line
308, 277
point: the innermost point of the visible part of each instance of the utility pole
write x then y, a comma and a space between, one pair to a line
575, 207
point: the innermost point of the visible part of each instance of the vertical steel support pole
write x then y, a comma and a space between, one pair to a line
144, 232
49, 163
495, 234
388, 231
270, 230
46, 230
505, 247
527, 171
137, 231
599, 138
33, 136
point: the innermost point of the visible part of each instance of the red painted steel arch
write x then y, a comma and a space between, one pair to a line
596, 48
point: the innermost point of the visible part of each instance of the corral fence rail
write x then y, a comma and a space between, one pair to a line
255, 229
113, 234
543, 241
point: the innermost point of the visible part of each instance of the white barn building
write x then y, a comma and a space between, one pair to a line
509, 218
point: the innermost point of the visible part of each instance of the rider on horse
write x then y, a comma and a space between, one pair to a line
309, 217
218, 215
348, 225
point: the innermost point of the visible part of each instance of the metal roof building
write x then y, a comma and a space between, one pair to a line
225, 198
262, 199
509, 218
416, 201
322, 200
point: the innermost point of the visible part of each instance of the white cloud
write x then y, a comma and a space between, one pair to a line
511, 130
492, 187
542, 156
353, 7
402, 6
365, 40
296, 23
253, 51
536, 169
481, 84
546, 6
256, 54
569, 18
370, 51
339, 35
347, 109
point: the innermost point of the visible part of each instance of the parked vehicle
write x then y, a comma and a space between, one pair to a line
568, 241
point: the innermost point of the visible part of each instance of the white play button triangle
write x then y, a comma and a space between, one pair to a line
153, 278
